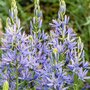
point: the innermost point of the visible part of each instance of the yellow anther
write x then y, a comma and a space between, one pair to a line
40, 66
55, 50
31, 38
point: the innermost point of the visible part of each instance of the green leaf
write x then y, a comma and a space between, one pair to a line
78, 84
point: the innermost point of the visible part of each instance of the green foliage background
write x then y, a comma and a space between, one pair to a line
78, 10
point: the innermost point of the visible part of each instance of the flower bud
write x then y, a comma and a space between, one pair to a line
6, 85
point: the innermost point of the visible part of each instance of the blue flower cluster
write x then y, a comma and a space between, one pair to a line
40, 60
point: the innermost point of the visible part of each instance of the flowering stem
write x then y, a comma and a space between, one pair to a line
16, 76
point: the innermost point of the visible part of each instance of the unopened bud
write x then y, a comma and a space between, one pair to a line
6, 85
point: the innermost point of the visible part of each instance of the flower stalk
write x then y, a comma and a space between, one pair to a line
17, 76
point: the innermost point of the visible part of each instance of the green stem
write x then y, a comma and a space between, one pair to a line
16, 76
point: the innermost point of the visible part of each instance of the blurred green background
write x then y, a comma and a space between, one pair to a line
78, 10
